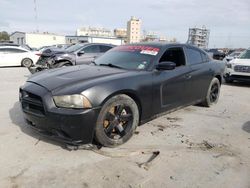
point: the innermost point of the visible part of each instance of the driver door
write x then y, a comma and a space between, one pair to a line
171, 86
87, 54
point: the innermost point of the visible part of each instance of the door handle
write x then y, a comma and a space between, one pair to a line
188, 76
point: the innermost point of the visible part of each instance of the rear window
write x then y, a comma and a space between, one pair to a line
193, 56
104, 48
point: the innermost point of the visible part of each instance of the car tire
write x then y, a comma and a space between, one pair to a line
26, 62
117, 121
213, 93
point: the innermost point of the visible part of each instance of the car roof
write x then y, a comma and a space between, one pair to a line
14, 47
88, 43
161, 44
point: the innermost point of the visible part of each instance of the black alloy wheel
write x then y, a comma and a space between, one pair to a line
117, 121
213, 93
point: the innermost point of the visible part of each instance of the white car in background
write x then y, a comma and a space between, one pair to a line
232, 56
239, 68
17, 56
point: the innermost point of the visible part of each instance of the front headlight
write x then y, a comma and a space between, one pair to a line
72, 101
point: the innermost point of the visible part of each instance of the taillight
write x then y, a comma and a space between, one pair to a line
38, 54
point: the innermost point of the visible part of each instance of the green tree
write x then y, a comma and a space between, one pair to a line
4, 36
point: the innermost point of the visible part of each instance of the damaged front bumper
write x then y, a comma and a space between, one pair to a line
71, 126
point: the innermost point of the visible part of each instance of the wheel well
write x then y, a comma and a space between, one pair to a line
64, 60
131, 95
219, 78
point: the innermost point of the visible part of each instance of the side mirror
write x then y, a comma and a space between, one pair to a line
80, 53
166, 65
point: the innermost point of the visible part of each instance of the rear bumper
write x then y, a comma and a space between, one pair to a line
64, 125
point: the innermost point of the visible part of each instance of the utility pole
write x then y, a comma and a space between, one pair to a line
36, 20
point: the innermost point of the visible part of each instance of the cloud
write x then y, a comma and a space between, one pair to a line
168, 17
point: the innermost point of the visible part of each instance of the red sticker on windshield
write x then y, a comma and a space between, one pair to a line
149, 50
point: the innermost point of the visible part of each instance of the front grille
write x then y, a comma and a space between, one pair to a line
31, 103
241, 68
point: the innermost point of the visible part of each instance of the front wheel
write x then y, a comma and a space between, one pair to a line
117, 121
26, 62
213, 93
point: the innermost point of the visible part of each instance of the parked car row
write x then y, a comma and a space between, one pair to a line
82, 53
50, 56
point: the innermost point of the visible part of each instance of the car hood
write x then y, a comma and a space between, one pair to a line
52, 53
241, 62
67, 76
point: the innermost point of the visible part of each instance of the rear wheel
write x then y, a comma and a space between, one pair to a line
26, 62
212, 93
117, 121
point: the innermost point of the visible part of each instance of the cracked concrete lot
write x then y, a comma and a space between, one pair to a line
199, 147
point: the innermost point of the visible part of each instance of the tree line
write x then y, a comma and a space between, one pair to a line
4, 36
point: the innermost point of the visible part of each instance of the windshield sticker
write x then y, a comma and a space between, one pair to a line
149, 50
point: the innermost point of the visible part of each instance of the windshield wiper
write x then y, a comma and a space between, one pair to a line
110, 65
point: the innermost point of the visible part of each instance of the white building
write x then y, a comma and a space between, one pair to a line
37, 40
198, 37
134, 30
94, 39
93, 31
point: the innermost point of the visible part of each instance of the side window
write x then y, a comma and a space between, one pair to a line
91, 49
205, 58
193, 56
104, 48
13, 50
175, 55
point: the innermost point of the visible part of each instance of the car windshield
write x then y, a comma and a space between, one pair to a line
74, 48
128, 57
234, 54
245, 55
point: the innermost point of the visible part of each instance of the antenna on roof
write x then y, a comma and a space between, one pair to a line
35, 10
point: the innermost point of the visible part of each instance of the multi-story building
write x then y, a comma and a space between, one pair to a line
199, 37
133, 30
93, 31
94, 39
120, 33
37, 40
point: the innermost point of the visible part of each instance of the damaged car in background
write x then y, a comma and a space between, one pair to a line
82, 53
127, 86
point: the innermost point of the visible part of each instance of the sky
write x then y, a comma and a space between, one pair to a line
228, 20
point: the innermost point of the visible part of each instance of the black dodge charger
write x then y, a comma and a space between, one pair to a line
127, 86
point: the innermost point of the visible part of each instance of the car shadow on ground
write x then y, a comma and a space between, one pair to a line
238, 84
16, 116
246, 127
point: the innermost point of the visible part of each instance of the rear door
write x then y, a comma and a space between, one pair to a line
201, 73
171, 85
89, 53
